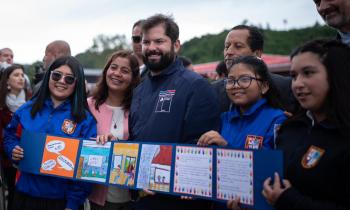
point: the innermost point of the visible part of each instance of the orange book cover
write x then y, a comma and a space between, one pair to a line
59, 156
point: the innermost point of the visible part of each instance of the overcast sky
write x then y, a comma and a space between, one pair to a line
27, 26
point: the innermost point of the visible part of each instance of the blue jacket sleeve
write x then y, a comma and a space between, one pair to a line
78, 191
11, 135
269, 141
203, 113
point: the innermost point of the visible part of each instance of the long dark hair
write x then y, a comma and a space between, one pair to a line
334, 55
260, 69
100, 94
5, 74
78, 97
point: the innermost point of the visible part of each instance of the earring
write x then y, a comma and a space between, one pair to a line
8, 87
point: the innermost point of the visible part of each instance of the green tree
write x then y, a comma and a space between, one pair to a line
102, 47
210, 47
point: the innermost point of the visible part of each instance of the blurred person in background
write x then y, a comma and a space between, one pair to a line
54, 50
6, 59
12, 96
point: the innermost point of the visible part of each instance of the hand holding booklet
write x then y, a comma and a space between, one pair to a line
211, 173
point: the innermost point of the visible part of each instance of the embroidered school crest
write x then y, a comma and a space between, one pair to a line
68, 126
253, 142
312, 156
164, 100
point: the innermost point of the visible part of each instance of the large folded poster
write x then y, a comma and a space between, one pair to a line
212, 173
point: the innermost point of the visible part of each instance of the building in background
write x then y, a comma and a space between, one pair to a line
279, 64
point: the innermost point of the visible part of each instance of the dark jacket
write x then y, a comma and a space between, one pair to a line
177, 106
317, 163
220, 89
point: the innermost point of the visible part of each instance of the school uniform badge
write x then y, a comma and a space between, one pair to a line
312, 157
253, 142
165, 99
68, 126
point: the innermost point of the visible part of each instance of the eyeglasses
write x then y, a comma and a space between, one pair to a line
68, 79
136, 39
242, 82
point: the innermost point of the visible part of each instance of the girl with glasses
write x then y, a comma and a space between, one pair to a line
110, 104
59, 108
257, 114
316, 142
252, 122
12, 96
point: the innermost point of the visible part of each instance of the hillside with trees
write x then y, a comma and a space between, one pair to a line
209, 47
102, 47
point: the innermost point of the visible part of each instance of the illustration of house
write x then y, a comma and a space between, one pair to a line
161, 168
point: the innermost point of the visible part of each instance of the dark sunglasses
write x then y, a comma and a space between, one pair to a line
68, 79
136, 39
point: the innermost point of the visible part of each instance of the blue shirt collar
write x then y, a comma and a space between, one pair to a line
236, 113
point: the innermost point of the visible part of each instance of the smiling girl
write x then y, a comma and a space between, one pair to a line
60, 109
252, 123
256, 116
316, 142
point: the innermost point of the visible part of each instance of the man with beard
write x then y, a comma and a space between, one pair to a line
336, 13
172, 104
245, 40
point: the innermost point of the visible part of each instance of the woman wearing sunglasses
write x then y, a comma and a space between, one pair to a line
110, 104
59, 108
12, 96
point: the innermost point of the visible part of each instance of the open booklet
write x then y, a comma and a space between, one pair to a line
212, 173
